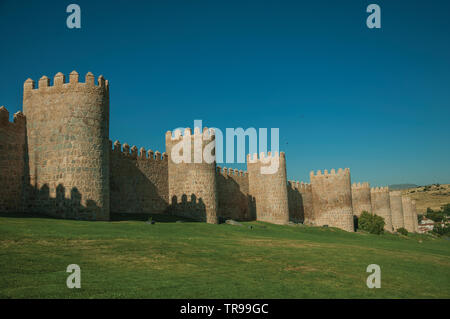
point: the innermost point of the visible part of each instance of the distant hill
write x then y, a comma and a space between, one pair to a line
402, 186
433, 196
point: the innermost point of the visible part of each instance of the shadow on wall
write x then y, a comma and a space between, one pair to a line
355, 222
194, 208
252, 207
234, 203
60, 206
41, 204
295, 203
132, 191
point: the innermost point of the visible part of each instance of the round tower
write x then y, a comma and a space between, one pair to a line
381, 205
395, 199
415, 219
68, 143
408, 214
361, 198
192, 174
268, 185
332, 199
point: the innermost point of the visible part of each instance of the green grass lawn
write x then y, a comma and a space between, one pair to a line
134, 259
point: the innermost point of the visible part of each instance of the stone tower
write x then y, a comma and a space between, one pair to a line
408, 214
332, 199
192, 175
269, 188
68, 146
361, 198
381, 205
415, 219
395, 198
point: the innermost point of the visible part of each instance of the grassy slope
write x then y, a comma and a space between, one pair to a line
434, 197
196, 260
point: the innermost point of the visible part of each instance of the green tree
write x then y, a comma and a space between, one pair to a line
439, 215
371, 223
419, 217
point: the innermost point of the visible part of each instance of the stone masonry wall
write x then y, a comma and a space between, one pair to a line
300, 202
415, 219
361, 198
395, 198
192, 182
269, 190
234, 199
68, 146
381, 205
332, 199
408, 214
13, 170
295, 202
138, 182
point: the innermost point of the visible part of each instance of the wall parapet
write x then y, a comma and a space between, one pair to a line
59, 81
18, 118
360, 185
264, 158
125, 150
207, 134
383, 189
230, 172
319, 174
300, 186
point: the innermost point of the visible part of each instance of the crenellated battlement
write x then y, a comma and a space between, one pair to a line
230, 172
133, 152
208, 134
380, 189
300, 186
264, 158
18, 119
59, 83
340, 172
360, 185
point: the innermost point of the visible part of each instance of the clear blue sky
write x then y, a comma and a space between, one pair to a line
343, 95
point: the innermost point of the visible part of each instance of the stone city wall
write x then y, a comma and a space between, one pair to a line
138, 181
13, 170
